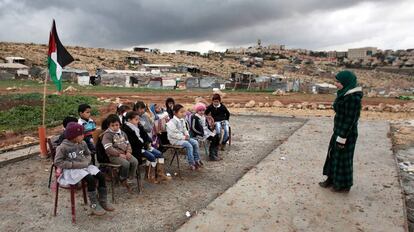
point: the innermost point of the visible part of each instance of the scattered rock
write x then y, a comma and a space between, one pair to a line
204, 101
321, 107
396, 108
261, 104
29, 139
266, 104
380, 107
13, 89
372, 93
305, 105
250, 104
70, 89
277, 104
279, 92
218, 91
393, 94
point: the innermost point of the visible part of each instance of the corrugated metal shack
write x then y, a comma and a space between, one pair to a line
248, 80
205, 82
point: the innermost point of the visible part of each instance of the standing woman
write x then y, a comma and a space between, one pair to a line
347, 106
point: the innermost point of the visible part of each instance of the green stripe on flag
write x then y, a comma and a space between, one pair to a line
52, 72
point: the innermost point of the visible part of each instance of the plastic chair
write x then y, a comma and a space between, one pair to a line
72, 189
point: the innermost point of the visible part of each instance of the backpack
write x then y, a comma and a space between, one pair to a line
100, 152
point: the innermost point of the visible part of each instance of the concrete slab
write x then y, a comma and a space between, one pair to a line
18, 155
281, 194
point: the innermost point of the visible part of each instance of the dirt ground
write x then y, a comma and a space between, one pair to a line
27, 203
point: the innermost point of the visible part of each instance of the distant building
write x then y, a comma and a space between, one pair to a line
155, 51
361, 53
236, 50
276, 47
79, 76
187, 53
141, 49
158, 68
15, 60
135, 60
336, 54
16, 69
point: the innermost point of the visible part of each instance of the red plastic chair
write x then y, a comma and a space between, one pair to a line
72, 189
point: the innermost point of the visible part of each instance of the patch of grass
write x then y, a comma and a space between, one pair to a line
25, 117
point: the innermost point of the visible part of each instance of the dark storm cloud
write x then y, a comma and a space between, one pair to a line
117, 24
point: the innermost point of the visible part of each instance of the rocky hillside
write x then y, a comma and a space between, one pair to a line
92, 58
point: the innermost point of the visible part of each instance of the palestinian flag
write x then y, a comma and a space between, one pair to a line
57, 58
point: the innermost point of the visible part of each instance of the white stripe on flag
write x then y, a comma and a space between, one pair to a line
58, 67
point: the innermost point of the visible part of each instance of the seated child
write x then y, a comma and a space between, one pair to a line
121, 111
140, 143
169, 105
201, 128
144, 119
65, 122
161, 117
178, 135
89, 126
221, 117
74, 158
119, 150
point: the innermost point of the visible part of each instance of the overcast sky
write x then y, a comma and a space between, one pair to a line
212, 24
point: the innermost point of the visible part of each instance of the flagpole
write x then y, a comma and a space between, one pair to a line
44, 99
42, 128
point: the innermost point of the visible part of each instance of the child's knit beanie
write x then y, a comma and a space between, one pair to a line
199, 107
73, 130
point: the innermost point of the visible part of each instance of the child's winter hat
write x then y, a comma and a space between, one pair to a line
73, 130
199, 107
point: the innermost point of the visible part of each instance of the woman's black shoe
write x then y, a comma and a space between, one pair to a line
341, 190
326, 184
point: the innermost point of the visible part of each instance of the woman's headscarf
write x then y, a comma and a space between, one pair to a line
152, 108
348, 81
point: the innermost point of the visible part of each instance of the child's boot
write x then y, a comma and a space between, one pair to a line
126, 185
151, 173
161, 171
103, 200
147, 169
214, 153
96, 208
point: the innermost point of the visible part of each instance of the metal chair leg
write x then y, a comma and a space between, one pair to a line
205, 148
229, 136
112, 185
56, 199
172, 160
72, 203
178, 163
50, 175
139, 182
85, 200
